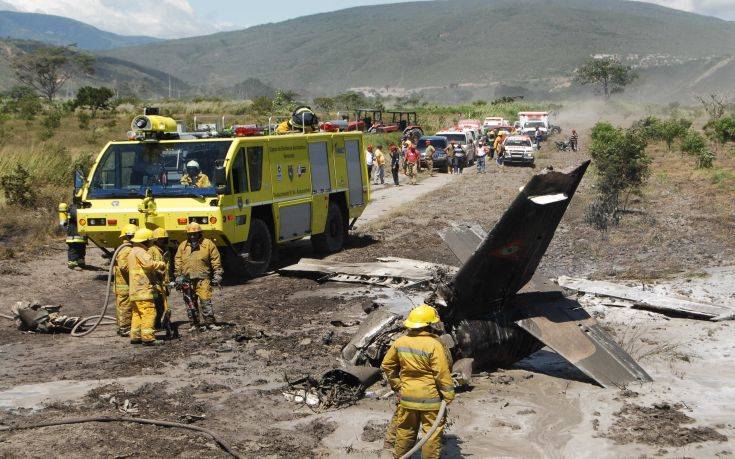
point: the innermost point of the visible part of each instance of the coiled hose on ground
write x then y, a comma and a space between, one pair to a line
425, 438
222, 443
101, 317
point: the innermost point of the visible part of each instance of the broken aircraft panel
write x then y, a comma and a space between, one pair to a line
386, 272
648, 300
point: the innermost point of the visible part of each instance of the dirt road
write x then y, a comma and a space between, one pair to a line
541, 407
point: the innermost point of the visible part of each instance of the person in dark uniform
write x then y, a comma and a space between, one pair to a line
76, 245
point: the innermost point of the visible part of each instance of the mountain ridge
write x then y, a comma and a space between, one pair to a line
58, 30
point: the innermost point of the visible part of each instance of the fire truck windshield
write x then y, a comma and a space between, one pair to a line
127, 170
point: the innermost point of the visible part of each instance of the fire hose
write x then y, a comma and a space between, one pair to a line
434, 426
101, 316
222, 443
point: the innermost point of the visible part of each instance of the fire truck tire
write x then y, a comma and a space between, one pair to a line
335, 231
260, 245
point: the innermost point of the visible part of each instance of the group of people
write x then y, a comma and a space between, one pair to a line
142, 270
407, 159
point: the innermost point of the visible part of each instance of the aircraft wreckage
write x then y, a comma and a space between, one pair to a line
492, 314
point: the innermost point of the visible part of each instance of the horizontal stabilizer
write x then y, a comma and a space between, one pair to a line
571, 332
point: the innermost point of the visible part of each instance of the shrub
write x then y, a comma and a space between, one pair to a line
17, 188
52, 120
94, 98
705, 159
648, 127
722, 129
673, 129
619, 155
84, 119
693, 143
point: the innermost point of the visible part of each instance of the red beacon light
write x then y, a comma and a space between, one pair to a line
246, 130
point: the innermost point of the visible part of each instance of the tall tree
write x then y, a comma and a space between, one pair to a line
607, 74
47, 68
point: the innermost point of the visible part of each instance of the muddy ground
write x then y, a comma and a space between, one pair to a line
542, 407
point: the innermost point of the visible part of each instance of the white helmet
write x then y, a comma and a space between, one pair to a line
192, 163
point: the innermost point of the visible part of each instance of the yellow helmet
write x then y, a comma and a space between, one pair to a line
129, 230
143, 235
160, 233
193, 227
421, 316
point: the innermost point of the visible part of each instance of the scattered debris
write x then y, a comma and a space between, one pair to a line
248, 335
642, 299
658, 425
386, 272
374, 431
337, 388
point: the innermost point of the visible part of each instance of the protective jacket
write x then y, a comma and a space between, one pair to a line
162, 275
417, 366
200, 263
121, 271
142, 268
200, 181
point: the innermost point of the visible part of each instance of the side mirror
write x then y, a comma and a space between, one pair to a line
220, 180
78, 180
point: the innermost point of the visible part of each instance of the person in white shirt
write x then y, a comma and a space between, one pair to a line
369, 157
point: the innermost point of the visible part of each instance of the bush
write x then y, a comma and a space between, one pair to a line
84, 119
52, 120
648, 127
94, 98
673, 129
705, 159
622, 165
722, 130
17, 188
693, 143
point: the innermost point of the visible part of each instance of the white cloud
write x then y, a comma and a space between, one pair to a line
159, 18
5, 6
724, 9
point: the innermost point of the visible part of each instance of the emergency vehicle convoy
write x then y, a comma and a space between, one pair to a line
248, 190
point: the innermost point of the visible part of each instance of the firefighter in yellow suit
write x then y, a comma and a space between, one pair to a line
142, 268
122, 288
198, 260
416, 366
159, 252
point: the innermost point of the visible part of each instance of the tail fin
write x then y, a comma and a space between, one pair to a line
508, 257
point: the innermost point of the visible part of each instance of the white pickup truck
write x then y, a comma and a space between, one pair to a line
518, 149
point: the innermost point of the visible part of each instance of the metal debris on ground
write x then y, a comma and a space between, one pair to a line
641, 299
336, 389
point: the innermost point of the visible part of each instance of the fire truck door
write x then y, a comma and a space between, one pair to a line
354, 172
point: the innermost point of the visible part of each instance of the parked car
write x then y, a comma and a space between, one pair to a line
440, 155
465, 139
518, 149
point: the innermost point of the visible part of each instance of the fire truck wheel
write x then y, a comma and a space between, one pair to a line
260, 244
333, 238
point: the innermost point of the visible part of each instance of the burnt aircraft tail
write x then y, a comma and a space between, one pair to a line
507, 259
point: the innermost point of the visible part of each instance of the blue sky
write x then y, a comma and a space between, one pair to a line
182, 18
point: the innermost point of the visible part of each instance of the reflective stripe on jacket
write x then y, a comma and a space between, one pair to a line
121, 270
142, 268
199, 263
417, 366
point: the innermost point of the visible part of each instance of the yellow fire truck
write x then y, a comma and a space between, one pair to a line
252, 191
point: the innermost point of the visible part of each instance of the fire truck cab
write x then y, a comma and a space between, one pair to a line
249, 194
